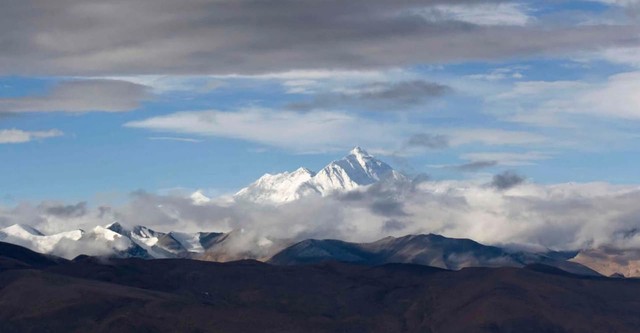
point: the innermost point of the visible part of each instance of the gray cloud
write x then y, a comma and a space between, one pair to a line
474, 166
81, 96
506, 180
393, 225
391, 96
388, 208
67, 211
97, 37
431, 141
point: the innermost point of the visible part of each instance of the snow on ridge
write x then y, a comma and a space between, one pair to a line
355, 170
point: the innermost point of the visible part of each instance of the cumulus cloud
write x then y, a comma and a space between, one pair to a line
81, 96
20, 136
562, 216
242, 36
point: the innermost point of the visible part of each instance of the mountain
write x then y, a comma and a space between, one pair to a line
430, 250
35, 240
611, 261
111, 240
14, 256
355, 170
181, 295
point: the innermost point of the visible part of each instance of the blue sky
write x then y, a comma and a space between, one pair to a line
214, 107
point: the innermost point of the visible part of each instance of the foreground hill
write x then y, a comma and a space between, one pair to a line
180, 295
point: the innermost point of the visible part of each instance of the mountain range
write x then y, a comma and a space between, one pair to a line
356, 171
115, 240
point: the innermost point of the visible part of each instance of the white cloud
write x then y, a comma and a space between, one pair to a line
622, 55
20, 136
486, 14
318, 130
561, 216
504, 73
303, 132
170, 138
544, 102
624, 3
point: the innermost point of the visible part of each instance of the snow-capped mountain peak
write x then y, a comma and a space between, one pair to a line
199, 198
357, 169
21, 230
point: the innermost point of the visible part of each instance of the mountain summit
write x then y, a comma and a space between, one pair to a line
357, 169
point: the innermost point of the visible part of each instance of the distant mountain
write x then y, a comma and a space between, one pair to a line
431, 250
355, 170
611, 261
14, 257
111, 240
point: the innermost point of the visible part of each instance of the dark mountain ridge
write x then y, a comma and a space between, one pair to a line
431, 250
181, 295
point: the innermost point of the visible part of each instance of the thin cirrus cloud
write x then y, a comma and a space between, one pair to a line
176, 139
322, 130
81, 96
12, 136
253, 37
311, 131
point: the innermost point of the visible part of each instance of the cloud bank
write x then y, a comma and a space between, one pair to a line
505, 211
96, 37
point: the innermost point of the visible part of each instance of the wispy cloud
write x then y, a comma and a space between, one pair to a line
171, 138
321, 131
508, 158
311, 131
20, 136
488, 14
543, 102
